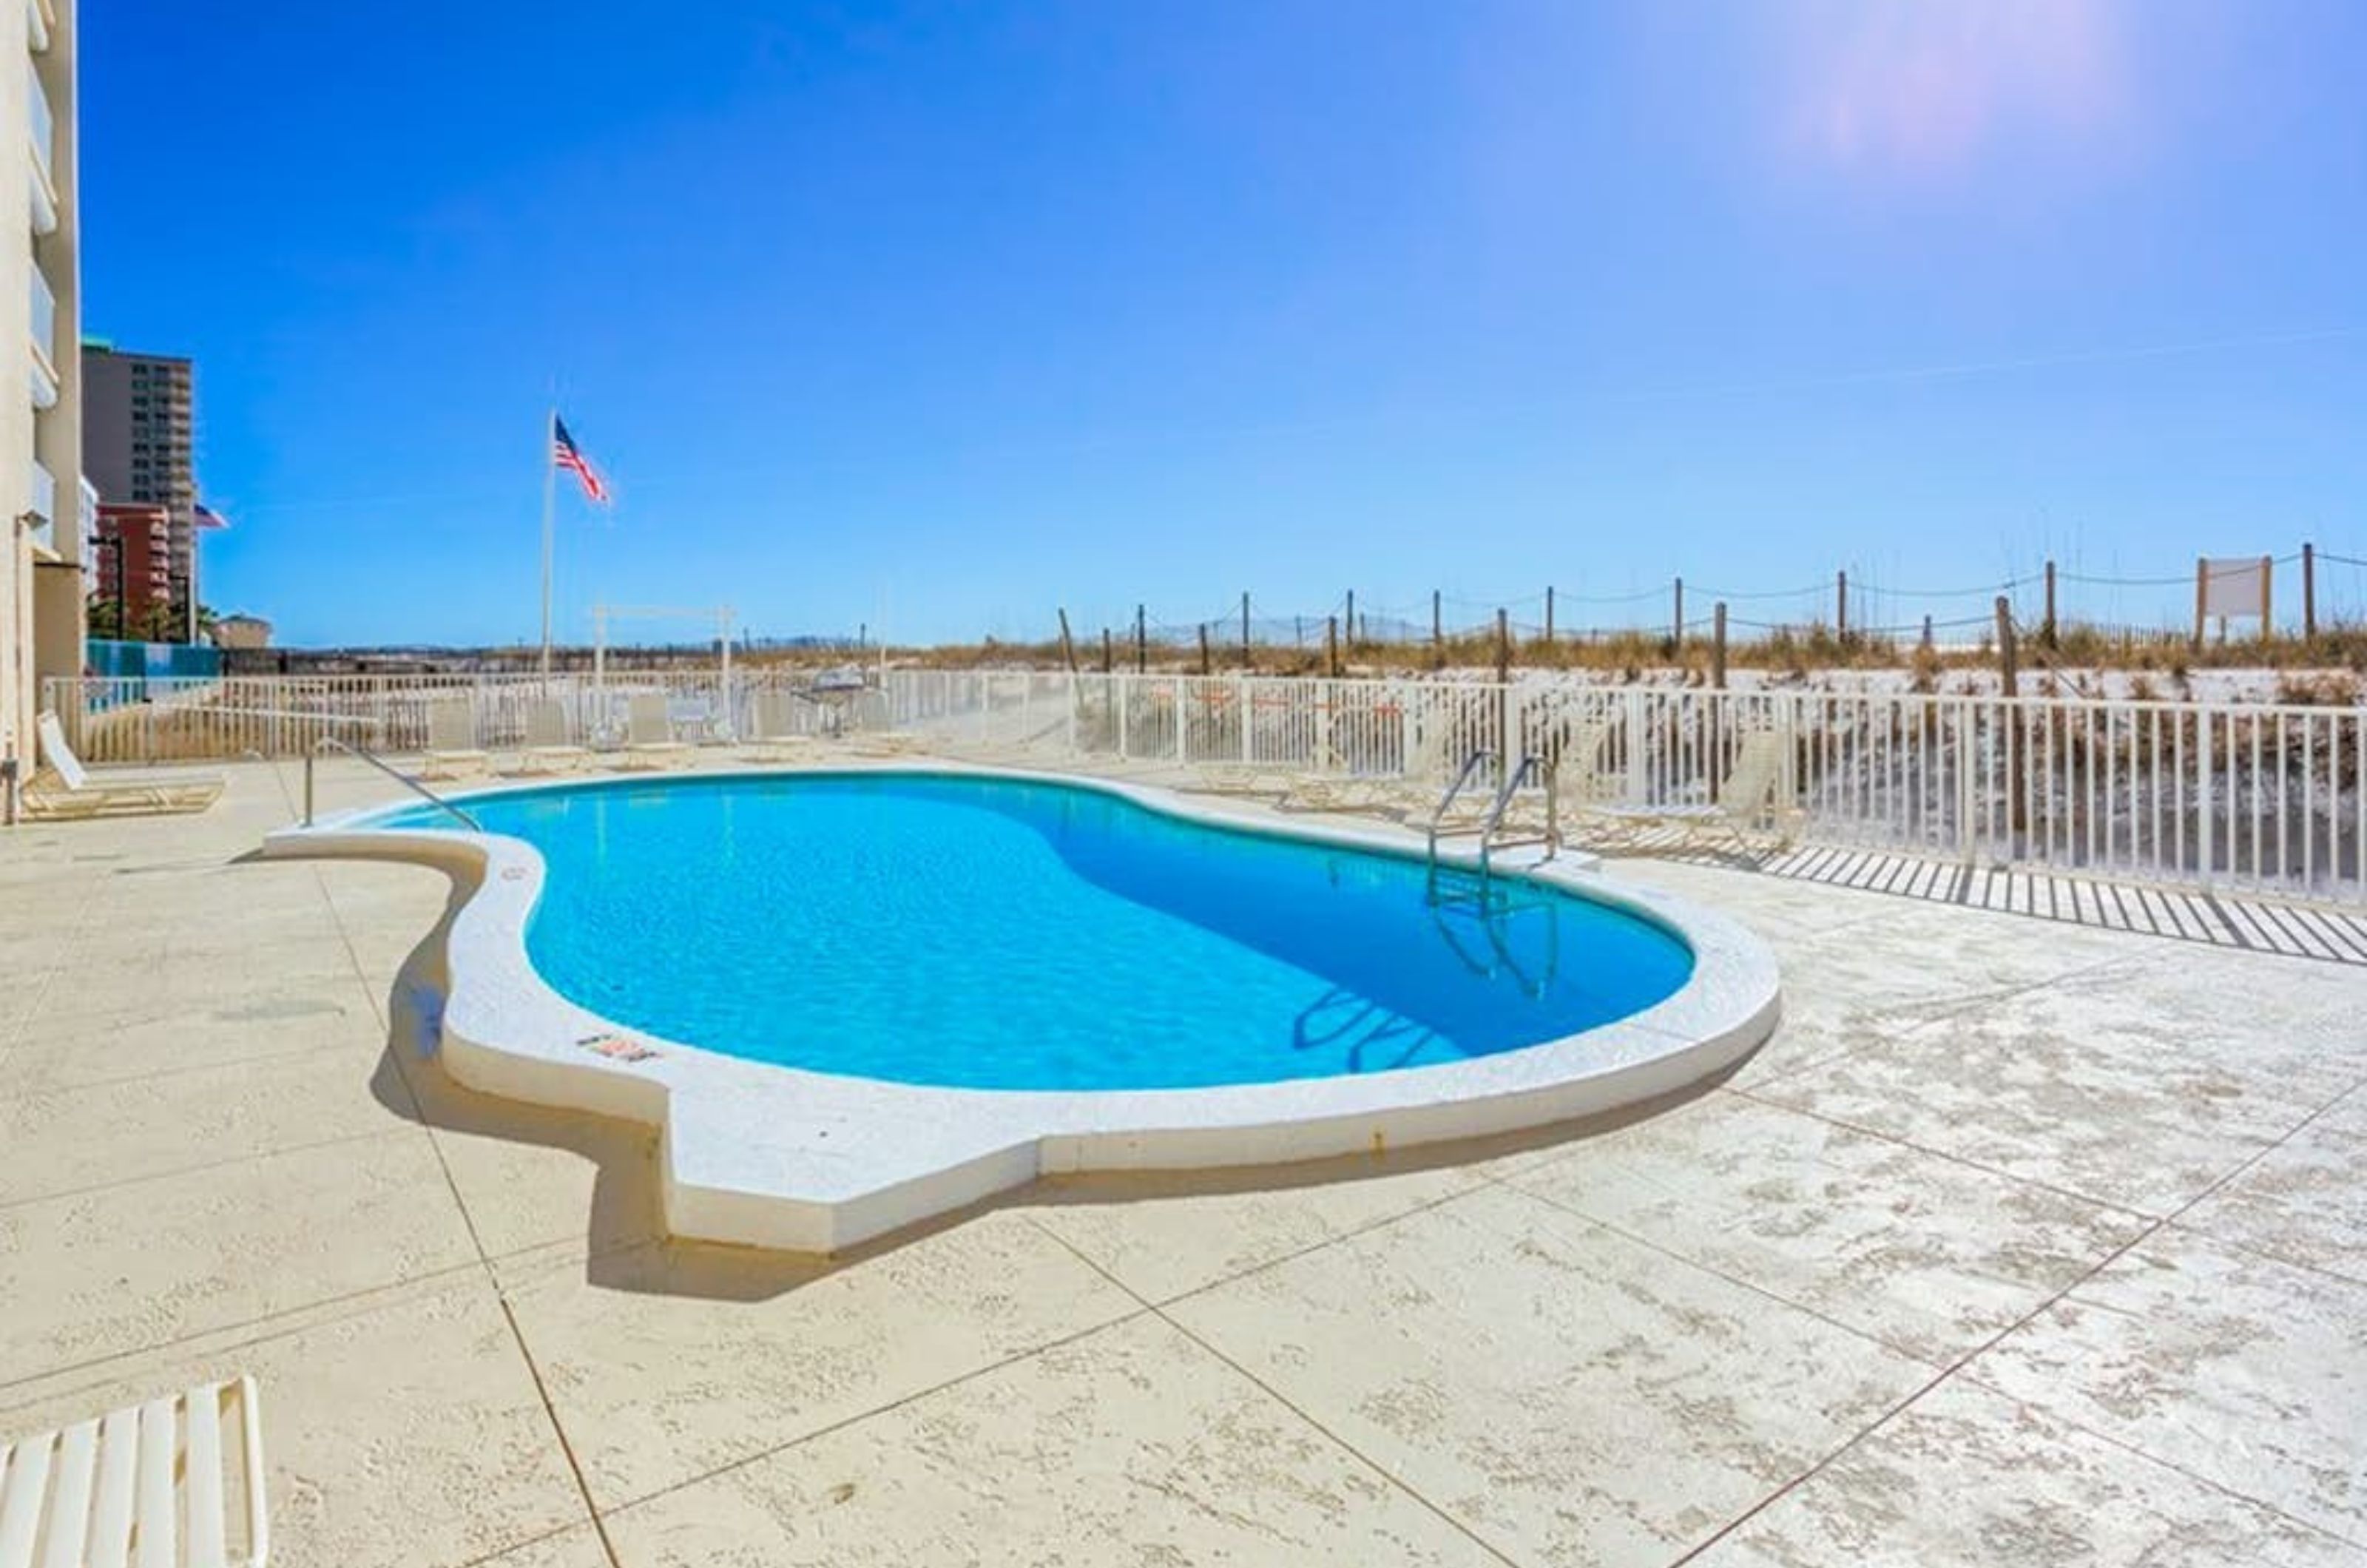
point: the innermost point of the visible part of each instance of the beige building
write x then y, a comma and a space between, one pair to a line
43, 553
243, 631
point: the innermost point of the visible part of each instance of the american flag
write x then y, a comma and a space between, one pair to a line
567, 454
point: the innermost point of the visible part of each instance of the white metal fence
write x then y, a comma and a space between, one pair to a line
2256, 797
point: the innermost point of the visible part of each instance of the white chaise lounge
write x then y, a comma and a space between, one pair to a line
548, 747
452, 749
648, 733
147, 1486
63, 789
1749, 803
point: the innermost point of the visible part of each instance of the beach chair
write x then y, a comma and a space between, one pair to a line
62, 789
151, 1484
452, 749
1748, 812
548, 747
648, 733
775, 737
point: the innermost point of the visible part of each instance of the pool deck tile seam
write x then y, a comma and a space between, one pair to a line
1312, 1422
469, 1219
1964, 1365
183, 1172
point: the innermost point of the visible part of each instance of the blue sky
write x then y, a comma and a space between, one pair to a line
940, 316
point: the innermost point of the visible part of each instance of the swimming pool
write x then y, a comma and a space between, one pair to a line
851, 1000
996, 934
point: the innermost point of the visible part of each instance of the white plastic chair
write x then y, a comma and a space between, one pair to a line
145, 1486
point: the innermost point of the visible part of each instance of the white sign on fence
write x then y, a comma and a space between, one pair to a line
2231, 590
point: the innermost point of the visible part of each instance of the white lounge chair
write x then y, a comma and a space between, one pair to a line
547, 749
1746, 812
64, 790
648, 733
777, 737
147, 1485
452, 749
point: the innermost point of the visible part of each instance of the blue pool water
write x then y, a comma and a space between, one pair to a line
1003, 934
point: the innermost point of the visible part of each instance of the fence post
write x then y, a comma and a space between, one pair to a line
2046, 627
1968, 830
2010, 682
1247, 662
1141, 642
1332, 646
1717, 647
1437, 631
1205, 666
1352, 619
1677, 623
1108, 664
1503, 647
1840, 605
1549, 617
2267, 565
2309, 592
2201, 597
1067, 645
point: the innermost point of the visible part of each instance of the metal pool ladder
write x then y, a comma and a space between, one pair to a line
1489, 827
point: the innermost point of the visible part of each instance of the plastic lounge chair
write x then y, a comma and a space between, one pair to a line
777, 737
648, 733
146, 1486
547, 749
63, 789
1746, 802
452, 748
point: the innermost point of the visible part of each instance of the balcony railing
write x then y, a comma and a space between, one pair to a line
44, 124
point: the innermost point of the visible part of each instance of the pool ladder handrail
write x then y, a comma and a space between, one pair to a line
328, 741
1532, 766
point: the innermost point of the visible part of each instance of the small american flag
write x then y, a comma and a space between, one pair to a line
567, 454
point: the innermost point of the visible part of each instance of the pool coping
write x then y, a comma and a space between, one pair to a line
761, 1154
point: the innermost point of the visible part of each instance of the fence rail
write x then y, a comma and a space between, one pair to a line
2253, 797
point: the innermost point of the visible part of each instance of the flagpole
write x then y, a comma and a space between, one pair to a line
549, 504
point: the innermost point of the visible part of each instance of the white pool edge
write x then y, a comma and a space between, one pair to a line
765, 1155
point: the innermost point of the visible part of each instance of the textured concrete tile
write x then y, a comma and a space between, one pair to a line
577, 1547
2045, 1087
529, 1176
406, 1432
1568, 1395
1766, 903
1132, 1445
2305, 1202
2254, 1015
2243, 1370
1964, 1477
1925, 1254
75, 1052
669, 1361
1163, 1238
131, 990
130, 1267
66, 1140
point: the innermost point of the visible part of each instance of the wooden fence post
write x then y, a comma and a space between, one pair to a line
1106, 651
2046, 627
2009, 715
1437, 631
1677, 623
2309, 592
1549, 618
2201, 597
1332, 646
1067, 645
1141, 642
1352, 620
1247, 662
1503, 647
2268, 564
1840, 605
1717, 647
1207, 668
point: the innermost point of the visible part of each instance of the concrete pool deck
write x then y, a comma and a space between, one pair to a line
2019, 1242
